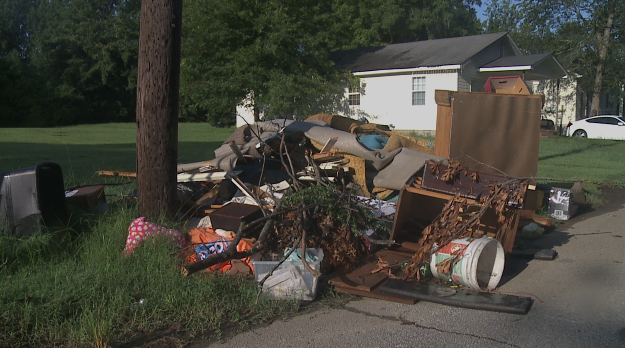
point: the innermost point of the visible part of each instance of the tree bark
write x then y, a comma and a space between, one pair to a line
604, 41
256, 111
158, 82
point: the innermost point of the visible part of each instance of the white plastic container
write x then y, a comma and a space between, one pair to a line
291, 280
479, 265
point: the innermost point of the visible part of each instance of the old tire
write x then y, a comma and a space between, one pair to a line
580, 133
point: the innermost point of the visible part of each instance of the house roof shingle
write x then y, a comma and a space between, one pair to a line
450, 51
528, 59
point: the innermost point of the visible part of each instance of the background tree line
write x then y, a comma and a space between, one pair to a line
587, 36
75, 61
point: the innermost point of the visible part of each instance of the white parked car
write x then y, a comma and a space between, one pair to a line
599, 127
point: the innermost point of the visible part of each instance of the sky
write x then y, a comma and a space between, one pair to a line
481, 11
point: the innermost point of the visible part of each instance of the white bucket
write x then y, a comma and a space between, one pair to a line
479, 265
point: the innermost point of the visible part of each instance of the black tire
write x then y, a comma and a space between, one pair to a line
580, 133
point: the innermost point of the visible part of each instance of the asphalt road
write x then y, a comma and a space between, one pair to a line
579, 302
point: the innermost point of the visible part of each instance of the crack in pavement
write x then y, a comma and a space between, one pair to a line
403, 322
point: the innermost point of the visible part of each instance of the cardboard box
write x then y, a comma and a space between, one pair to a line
506, 85
86, 198
230, 216
561, 204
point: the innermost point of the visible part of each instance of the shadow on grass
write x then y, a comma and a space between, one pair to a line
81, 162
578, 150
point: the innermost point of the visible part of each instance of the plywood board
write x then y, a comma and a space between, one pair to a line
493, 133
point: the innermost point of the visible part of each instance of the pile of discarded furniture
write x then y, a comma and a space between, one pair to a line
372, 211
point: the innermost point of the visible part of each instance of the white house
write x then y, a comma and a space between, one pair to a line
397, 82
565, 102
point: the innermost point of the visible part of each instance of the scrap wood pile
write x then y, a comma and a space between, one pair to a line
281, 188
461, 218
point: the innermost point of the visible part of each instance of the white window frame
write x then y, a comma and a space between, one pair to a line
418, 90
353, 96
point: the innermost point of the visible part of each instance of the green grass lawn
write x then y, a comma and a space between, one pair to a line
75, 289
83, 150
597, 161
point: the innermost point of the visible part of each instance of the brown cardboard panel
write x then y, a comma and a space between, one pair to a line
230, 216
86, 197
495, 133
506, 85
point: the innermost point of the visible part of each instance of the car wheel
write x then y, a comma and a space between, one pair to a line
580, 133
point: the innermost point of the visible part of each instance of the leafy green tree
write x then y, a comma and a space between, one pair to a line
276, 52
586, 35
20, 92
272, 51
87, 52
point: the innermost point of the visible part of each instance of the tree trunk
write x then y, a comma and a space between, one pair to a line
158, 83
255, 109
604, 41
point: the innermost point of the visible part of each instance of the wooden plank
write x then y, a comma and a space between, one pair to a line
507, 240
404, 205
541, 220
443, 97
445, 196
212, 176
207, 196
326, 157
443, 131
465, 298
410, 247
114, 173
362, 278
462, 184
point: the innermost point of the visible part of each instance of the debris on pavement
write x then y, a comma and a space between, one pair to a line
371, 211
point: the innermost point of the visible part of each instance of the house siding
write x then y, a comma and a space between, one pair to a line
566, 107
470, 79
388, 99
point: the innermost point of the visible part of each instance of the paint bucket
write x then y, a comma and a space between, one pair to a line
479, 264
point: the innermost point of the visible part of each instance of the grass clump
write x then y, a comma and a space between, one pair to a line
87, 294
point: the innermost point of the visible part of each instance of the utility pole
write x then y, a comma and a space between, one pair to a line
158, 83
